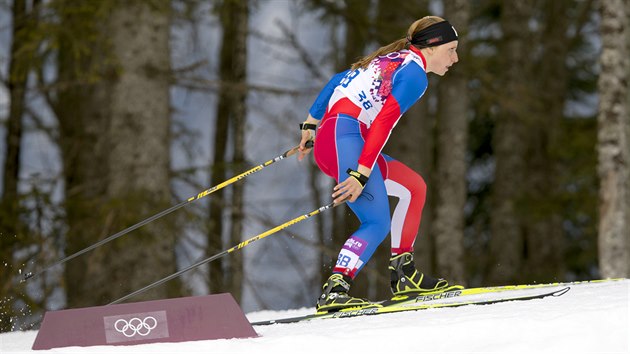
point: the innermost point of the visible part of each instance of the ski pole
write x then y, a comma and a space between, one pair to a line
226, 252
200, 195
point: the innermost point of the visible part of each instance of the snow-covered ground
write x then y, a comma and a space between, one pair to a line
590, 318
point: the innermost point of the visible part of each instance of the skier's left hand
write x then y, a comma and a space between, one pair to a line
350, 189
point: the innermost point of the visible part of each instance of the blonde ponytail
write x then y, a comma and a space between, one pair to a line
400, 44
392, 47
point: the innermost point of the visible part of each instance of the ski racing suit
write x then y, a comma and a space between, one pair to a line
357, 112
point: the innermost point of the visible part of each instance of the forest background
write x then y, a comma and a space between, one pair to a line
112, 111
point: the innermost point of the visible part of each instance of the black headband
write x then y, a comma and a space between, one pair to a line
434, 35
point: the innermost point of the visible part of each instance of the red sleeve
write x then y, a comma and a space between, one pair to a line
379, 132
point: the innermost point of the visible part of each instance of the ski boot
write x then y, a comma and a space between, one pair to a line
335, 296
407, 280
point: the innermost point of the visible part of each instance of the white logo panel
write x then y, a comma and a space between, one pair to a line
136, 326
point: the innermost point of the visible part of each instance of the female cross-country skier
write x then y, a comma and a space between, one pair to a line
354, 116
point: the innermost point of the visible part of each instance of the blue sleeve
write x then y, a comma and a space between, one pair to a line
409, 84
321, 102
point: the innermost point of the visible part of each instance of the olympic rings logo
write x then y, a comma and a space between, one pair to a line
136, 326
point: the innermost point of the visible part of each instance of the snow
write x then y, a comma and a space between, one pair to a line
590, 318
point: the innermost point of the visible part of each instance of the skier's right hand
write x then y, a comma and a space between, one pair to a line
305, 148
307, 135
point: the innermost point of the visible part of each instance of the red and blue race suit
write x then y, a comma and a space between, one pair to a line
358, 110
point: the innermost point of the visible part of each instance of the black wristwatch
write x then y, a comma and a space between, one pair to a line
308, 126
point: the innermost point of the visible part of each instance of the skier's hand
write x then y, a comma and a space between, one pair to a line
308, 134
306, 144
347, 191
350, 189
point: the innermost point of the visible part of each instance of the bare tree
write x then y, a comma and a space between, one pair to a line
239, 13
613, 144
230, 121
9, 203
452, 144
542, 221
114, 116
509, 143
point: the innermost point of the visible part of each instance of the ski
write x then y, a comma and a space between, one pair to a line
453, 298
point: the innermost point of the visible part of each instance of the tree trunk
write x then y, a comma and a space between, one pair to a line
543, 219
215, 242
227, 275
9, 203
239, 13
452, 144
507, 242
613, 145
114, 118
16, 82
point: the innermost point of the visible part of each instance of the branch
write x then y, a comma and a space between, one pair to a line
217, 85
302, 52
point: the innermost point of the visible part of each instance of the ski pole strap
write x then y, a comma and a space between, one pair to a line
363, 179
308, 126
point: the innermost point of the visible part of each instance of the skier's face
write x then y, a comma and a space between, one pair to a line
442, 57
